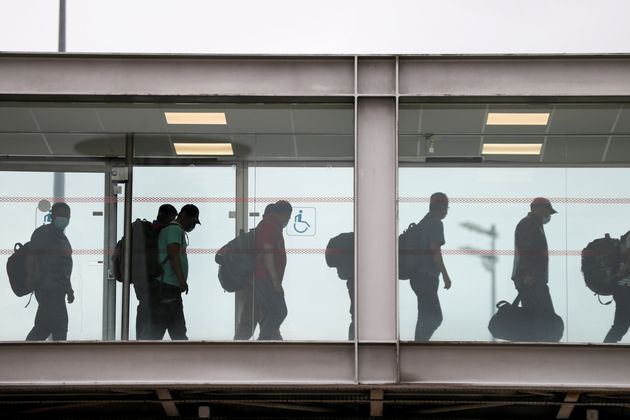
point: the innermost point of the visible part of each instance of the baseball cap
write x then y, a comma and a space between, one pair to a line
542, 202
192, 211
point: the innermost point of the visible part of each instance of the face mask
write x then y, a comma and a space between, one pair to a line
546, 219
61, 222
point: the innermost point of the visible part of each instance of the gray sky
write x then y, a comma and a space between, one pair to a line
320, 27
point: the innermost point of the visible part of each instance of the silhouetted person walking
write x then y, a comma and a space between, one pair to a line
143, 280
49, 266
340, 255
531, 263
168, 308
271, 262
426, 280
245, 315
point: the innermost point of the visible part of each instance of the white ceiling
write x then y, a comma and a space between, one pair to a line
288, 131
576, 133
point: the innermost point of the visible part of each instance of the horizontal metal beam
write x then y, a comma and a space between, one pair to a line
172, 365
176, 76
551, 366
514, 76
165, 364
312, 76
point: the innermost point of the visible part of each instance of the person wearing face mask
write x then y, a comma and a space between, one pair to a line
269, 302
531, 260
49, 266
168, 308
425, 282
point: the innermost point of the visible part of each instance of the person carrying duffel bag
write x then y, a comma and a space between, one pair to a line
512, 322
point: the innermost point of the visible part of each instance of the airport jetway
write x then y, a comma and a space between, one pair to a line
354, 143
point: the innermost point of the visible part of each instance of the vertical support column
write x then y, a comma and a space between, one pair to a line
109, 242
376, 192
242, 195
244, 298
376, 219
124, 317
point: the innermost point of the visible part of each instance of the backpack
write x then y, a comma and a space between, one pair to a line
408, 252
16, 270
600, 263
237, 261
340, 255
145, 262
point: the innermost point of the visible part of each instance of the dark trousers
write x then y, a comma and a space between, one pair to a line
350, 285
271, 309
621, 322
535, 298
245, 317
143, 312
167, 310
51, 317
425, 286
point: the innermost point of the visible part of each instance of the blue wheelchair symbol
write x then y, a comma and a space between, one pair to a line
303, 224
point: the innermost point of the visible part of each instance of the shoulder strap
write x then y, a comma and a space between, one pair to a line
517, 300
599, 298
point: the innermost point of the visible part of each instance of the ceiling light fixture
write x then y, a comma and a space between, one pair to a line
506, 118
204, 149
512, 149
194, 118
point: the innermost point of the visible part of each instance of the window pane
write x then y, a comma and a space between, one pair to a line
494, 162
26, 198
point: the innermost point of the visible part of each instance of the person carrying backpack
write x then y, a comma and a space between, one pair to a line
621, 295
49, 266
425, 280
246, 317
145, 265
167, 308
340, 255
271, 306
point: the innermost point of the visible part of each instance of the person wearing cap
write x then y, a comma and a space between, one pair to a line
168, 308
270, 305
426, 281
531, 259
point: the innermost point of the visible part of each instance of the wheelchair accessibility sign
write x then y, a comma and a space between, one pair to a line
303, 222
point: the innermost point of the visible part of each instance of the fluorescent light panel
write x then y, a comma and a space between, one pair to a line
196, 118
512, 149
204, 149
505, 118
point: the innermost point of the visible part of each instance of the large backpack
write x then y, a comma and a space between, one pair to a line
409, 251
237, 261
600, 263
145, 262
16, 269
340, 255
